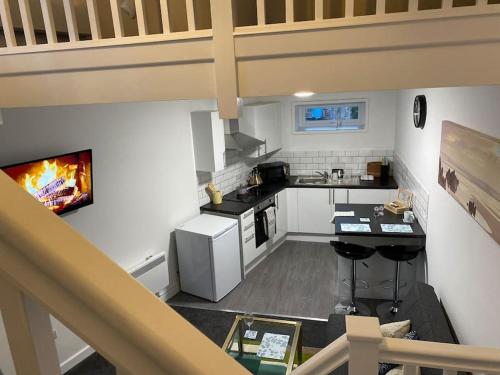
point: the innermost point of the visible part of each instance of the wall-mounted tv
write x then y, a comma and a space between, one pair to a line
61, 183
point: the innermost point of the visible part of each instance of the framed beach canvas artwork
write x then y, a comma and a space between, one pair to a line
469, 170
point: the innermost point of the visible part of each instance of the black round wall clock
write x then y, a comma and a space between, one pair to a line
419, 111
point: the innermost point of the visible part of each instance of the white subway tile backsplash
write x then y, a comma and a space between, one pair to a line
319, 160
311, 153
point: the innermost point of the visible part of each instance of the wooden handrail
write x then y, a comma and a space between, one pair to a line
440, 355
49, 261
363, 344
327, 360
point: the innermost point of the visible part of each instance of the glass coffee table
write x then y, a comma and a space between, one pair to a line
269, 347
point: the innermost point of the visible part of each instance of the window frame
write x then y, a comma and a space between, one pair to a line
329, 102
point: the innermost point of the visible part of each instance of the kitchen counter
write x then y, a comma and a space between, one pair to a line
237, 208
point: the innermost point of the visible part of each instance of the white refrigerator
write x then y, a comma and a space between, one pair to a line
208, 250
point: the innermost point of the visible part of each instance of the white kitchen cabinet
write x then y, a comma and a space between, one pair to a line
371, 196
315, 210
208, 141
262, 121
281, 215
292, 196
340, 195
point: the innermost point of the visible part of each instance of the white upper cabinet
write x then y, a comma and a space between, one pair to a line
208, 141
262, 121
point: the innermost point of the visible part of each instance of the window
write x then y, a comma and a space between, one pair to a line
324, 117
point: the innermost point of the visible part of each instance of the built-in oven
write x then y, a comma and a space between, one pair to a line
265, 221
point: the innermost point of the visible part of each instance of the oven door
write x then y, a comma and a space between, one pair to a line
261, 228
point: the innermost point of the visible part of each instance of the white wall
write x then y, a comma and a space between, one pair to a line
144, 178
379, 135
463, 259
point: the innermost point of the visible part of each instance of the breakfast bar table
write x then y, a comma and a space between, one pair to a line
359, 224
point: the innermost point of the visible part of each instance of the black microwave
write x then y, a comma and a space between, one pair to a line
274, 172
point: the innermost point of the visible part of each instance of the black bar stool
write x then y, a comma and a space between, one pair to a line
398, 254
354, 253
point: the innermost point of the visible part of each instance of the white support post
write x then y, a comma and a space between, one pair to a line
261, 12
364, 337
482, 3
411, 370
95, 24
413, 6
449, 372
29, 33
190, 15
380, 7
69, 11
29, 333
8, 28
165, 18
289, 10
349, 8
48, 21
116, 14
141, 19
226, 78
318, 10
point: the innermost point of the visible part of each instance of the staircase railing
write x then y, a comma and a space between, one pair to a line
93, 23
47, 267
364, 347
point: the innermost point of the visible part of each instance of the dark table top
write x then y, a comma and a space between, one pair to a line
366, 210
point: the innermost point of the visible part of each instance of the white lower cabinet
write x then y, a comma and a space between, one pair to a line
281, 214
371, 196
315, 209
292, 201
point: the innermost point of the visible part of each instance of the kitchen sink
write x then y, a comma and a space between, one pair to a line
312, 180
322, 181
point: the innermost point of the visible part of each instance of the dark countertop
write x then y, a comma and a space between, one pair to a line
237, 208
366, 210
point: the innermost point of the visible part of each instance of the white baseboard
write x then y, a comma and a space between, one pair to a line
310, 238
76, 358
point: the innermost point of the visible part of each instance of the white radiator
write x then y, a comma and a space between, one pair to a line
152, 273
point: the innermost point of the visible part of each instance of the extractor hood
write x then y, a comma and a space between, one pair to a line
236, 140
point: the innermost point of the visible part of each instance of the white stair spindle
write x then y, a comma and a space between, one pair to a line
69, 11
165, 19
349, 8
410, 370
318, 10
447, 4
116, 14
8, 29
482, 3
141, 19
380, 7
48, 20
261, 12
190, 15
25, 10
95, 24
289, 11
413, 6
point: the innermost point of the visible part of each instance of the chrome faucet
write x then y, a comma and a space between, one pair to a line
323, 174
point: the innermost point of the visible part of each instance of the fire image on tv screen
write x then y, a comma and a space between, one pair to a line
61, 183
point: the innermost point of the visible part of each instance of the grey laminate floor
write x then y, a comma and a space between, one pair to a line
298, 279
